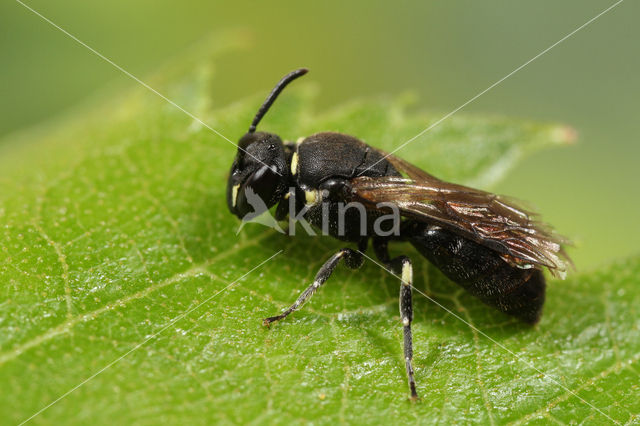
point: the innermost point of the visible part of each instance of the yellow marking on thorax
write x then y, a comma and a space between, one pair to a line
311, 197
294, 163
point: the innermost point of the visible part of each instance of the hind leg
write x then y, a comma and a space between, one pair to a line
402, 265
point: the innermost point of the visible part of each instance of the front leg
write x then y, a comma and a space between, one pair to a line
353, 259
402, 265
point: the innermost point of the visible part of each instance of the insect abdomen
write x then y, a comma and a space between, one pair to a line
482, 272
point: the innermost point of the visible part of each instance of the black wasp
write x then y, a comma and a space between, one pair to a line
486, 244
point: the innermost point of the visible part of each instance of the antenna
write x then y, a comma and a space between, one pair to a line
274, 94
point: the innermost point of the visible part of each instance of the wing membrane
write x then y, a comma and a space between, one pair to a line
489, 219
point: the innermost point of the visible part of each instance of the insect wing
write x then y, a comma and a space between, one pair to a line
486, 218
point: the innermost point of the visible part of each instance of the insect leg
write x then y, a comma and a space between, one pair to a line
352, 259
402, 265
406, 313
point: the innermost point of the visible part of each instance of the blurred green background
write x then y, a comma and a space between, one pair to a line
444, 52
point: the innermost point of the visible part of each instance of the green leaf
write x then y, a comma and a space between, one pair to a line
115, 225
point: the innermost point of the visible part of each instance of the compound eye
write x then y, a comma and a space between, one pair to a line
257, 193
264, 183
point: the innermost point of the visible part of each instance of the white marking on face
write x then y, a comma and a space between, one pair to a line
405, 321
294, 163
299, 140
234, 194
407, 274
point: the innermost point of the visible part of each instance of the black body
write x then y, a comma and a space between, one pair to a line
329, 162
497, 256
